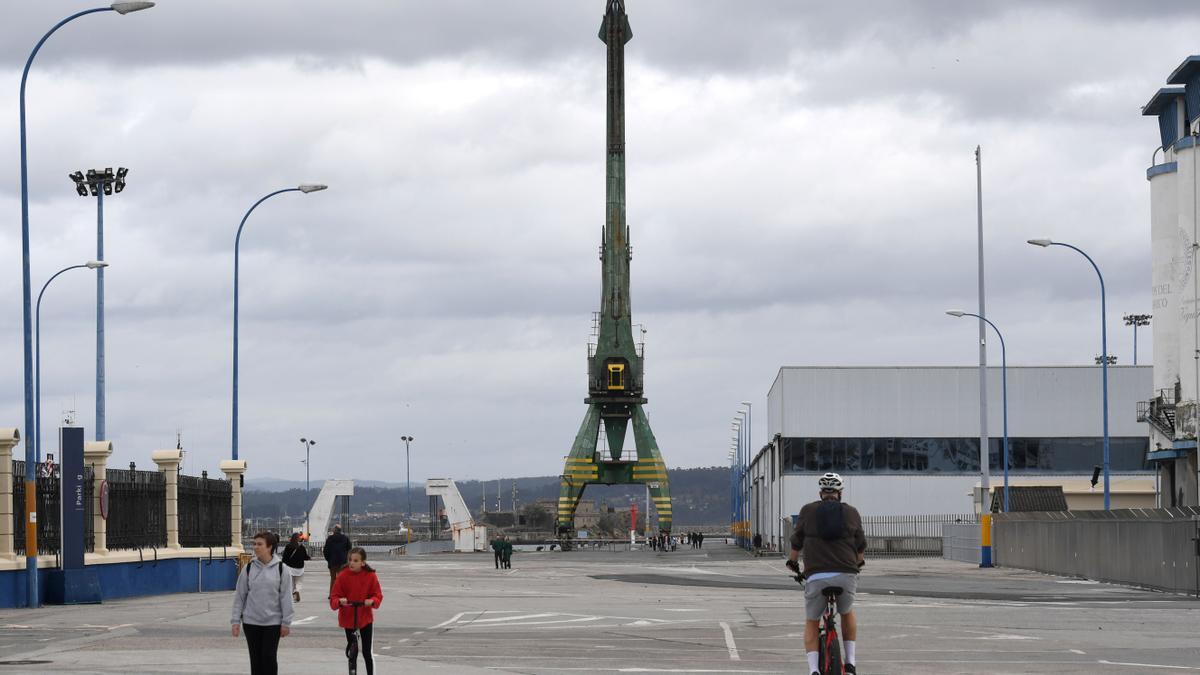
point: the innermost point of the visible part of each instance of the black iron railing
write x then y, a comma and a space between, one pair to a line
49, 501
204, 516
908, 536
137, 509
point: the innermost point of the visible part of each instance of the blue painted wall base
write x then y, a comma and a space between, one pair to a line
127, 580
72, 587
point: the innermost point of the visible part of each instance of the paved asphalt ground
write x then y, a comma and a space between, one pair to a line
710, 611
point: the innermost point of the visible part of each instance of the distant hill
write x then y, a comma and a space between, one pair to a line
700, 495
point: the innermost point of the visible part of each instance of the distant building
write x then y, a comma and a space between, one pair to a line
586, 515
906, 439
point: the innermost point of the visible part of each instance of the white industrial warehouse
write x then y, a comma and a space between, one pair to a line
906, 439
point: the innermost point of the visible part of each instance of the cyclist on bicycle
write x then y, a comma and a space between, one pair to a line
830, 534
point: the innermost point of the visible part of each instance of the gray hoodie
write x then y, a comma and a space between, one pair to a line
263, 596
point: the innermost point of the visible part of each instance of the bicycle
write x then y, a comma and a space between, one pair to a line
352, 649
829, 649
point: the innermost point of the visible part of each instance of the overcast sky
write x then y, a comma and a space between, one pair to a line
801, 191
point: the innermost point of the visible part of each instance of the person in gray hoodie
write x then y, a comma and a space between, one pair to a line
262, 605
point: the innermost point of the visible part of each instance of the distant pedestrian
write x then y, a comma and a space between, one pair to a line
700, 542
294, 556
506, 553
357, 583
263, 605
336, 551
757, 541
497, 550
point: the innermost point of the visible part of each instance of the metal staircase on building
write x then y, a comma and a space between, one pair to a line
1159, 412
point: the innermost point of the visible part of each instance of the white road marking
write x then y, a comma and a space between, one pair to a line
306, 619
449, 621
733, 650
514, 618
1147, 665
1077, 651
646, 669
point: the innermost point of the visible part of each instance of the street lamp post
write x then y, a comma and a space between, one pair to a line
1136, 320
31, 572
749, 455
308, 443
739, 438
1103, 353
732, 488
1003, 389
408, 479
37, 441
100, 182
237, 243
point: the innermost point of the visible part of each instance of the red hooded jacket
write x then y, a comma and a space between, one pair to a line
355, 587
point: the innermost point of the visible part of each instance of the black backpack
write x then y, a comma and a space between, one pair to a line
831, 521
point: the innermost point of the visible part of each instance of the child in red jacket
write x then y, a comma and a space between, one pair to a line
357, 583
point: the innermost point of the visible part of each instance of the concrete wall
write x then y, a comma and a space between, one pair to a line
129, 579
1154, 548
960, 541
423, 547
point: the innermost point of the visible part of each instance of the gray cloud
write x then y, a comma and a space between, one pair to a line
801, 191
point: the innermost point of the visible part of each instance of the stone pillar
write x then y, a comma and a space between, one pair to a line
8, 439
95, 455
234, 470
168, 463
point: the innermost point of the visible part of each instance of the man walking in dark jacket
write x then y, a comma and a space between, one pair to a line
498, 550
337, 551
831, 536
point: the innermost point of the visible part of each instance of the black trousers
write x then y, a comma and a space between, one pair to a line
263, 642
497, 559
364, 632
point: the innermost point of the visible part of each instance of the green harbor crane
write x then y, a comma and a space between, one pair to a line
615, 362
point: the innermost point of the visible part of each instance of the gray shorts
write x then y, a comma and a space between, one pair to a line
814, 599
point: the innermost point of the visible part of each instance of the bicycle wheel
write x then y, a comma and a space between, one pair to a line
830, 657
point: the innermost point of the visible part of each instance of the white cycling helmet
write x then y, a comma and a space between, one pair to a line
830, 481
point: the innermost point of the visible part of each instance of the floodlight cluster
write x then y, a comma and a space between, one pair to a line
97, 181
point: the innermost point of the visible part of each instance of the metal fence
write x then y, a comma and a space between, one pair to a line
908, 536
204, 516
49, 507
137, 509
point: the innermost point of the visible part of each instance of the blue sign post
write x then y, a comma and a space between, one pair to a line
74, 583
